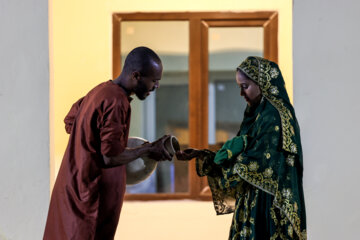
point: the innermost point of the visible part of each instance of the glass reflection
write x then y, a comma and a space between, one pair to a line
165, 111
228, 47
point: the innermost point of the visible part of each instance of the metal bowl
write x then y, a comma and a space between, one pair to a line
141, 168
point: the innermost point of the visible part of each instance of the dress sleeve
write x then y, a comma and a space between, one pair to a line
205, 165
224, 188
112, 127
230, 150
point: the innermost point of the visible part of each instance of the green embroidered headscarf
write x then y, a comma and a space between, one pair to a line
269, 78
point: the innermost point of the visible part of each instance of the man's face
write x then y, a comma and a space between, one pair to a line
248, 89
147, 84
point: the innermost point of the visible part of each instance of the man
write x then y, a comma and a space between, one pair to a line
87, 197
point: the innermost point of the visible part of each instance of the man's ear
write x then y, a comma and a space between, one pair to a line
135, 75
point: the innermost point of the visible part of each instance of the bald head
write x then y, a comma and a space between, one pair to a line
141, 59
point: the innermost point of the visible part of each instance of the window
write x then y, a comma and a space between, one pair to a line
200, 52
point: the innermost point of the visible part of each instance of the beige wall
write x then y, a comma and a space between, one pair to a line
326, 97
24, 121
81, 58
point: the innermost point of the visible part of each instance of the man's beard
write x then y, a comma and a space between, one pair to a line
141, 91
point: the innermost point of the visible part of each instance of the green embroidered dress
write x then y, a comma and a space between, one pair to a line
258, 174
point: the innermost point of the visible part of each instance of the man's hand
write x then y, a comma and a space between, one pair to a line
157, 150
188, 154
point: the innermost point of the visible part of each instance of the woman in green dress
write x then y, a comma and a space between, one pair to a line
258, 174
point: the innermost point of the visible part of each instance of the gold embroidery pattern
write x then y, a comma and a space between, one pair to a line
290, 231
245, 232
295, 207
262, 73
268, 172
229, 153
288, 209
240, 158
253, 166
287, 129
304, 234
257, 179
286, 193
281, 200
243, 215
290, 160
274, 90
274, 73
278, 232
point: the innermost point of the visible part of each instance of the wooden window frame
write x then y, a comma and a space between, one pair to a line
199, 24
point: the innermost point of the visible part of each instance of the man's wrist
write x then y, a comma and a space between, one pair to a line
145, 148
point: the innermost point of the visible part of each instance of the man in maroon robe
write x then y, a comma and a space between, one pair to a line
88, 193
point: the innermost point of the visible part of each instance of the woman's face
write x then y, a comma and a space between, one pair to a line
248, 89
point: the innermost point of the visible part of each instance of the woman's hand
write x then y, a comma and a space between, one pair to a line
189, 154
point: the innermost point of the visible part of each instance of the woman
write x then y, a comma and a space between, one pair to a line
261, 168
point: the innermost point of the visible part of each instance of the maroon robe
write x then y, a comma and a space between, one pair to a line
87, 197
